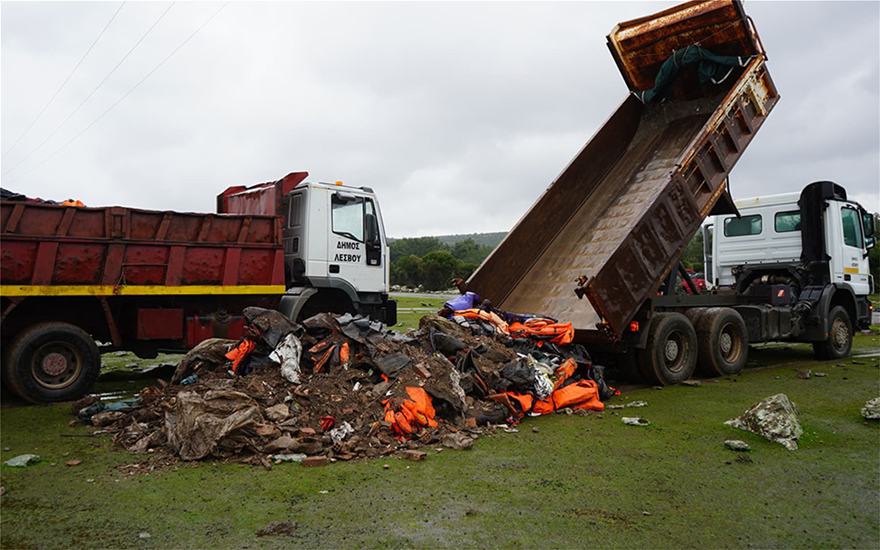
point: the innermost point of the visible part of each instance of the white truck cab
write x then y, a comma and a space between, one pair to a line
769, 232
799, 257
336, 252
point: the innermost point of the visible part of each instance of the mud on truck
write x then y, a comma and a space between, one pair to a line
143, 280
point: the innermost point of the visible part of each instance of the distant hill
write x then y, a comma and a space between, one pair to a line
482, 239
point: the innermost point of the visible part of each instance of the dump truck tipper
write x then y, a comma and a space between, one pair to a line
615, 222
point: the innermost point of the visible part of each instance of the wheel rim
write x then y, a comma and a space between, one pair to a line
839, 335
675, 351
729, 343
56, 365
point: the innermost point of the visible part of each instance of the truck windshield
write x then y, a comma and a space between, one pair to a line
348, 217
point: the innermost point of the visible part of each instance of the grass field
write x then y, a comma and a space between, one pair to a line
560, 482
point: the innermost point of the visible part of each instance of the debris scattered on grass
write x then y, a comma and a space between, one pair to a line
144, 535
294, 457
871, 410
634, 421
804, 374
361, 391
737, 445
775, 418
74, 462
23, 460
692, 383
637, 404
820, 374
415, 456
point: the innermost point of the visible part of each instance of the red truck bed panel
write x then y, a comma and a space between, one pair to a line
124, 251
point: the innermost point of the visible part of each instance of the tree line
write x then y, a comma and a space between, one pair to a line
428, 262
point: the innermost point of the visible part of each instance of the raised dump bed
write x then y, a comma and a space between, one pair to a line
621, 213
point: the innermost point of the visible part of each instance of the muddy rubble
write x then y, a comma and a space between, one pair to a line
340, 387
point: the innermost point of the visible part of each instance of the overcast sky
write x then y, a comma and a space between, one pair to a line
457, 114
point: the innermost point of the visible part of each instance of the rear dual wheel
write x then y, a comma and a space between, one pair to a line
724, 342
671, 352
51, 362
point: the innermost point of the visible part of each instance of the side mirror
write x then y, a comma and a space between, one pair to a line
371, 229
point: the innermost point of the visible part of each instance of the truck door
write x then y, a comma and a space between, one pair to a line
849, 263
353, 243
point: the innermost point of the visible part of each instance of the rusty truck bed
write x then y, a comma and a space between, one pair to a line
624, 209
70, 250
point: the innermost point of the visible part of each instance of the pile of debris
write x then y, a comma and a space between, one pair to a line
343, 387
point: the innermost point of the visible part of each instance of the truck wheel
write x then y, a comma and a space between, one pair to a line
671, 352
840, 336
694, 315
724, 342
52, 362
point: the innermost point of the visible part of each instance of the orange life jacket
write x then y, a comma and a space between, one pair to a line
239, 353
564, 372
582, 395
543, 329
411, 415
483, 315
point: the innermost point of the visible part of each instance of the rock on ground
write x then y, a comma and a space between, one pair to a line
871, 410
737, 445
775, 418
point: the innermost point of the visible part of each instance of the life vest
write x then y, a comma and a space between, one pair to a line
411, 415
483, 315
240, 353
583, 394
543, 330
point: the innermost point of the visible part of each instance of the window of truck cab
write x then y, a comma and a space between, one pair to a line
744, 226
347, 216
852, 227
785, 222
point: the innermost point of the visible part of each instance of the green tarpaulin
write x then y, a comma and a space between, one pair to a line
712, 68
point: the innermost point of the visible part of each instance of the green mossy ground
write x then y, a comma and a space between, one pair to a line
576, 482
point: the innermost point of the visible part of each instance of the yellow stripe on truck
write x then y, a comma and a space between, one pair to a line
136, 290
851, 270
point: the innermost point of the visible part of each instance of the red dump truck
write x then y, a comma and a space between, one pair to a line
601, 246
143, 280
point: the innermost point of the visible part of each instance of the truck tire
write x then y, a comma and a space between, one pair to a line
840, 336
671, 352
694, 315
723, 342
51, 362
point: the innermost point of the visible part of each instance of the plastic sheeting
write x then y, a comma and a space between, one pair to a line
712, 68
